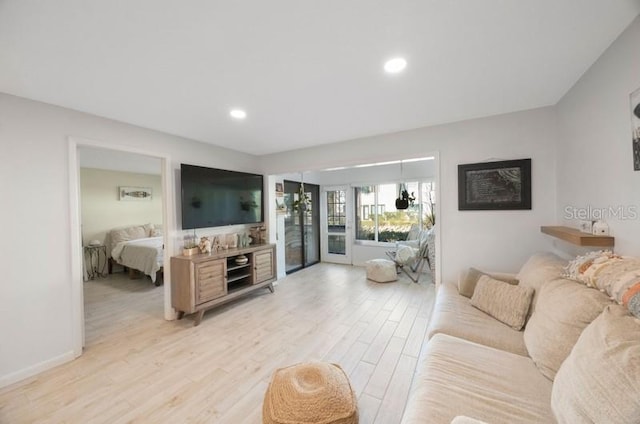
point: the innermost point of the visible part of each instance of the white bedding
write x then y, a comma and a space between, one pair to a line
144, 254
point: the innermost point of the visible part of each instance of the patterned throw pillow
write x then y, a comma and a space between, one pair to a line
578, 269
615, 275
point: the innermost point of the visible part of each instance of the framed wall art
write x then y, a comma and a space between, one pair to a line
501, 185
134, 193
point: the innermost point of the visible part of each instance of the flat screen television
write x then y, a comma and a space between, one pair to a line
217, 197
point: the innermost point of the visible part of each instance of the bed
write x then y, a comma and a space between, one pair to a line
138, 247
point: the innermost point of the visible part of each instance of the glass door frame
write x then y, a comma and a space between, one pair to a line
326, 256
307, 241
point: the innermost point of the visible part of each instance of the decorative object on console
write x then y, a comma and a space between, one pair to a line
635, 128
258, 234
242, 260
502, 185
600, 228
231, 240
134, 193
243, 240
205, 245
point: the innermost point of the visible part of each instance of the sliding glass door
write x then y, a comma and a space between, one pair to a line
301, 225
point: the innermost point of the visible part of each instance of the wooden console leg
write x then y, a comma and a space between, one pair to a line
180, 314
198, 318
270, 287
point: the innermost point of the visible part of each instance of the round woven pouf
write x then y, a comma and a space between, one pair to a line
310, 393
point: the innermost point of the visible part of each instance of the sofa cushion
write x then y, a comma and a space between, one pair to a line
540, 268
469, 279
564, 309
505, 302
600, 380
458, 377
454, 315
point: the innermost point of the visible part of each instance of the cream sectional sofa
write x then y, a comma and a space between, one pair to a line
475, 368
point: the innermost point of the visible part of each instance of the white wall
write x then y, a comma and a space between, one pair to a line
36, 291
595, 165
499, 240
102, 210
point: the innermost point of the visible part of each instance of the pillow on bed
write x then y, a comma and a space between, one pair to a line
129, 233
137, 232
148, 229
118, 236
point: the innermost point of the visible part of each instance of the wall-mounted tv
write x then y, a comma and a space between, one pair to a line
216, 197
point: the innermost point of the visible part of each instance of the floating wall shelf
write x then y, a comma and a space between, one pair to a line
577, 237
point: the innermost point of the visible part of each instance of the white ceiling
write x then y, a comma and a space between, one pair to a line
307, 72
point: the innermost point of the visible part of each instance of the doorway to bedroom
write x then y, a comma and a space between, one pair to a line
122, 236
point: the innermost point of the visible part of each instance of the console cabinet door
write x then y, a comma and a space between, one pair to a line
263, 266
211, 280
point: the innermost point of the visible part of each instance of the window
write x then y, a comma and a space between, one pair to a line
377, 218
336, 218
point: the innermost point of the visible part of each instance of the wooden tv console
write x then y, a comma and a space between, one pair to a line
201, 282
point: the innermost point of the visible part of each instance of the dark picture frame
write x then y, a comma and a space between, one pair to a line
635, 128
501, 185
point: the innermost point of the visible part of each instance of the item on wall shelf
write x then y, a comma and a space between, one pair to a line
635, 128
205, 245
279, 189
586, 226
600, 228
134, 193
501, 185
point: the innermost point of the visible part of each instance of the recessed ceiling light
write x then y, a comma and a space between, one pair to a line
395, 65
238, 113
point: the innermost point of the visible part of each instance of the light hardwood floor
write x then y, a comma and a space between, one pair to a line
139, 368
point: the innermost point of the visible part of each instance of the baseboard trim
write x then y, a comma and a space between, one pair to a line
14, 377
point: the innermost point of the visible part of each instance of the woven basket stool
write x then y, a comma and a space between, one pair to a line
310, 393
